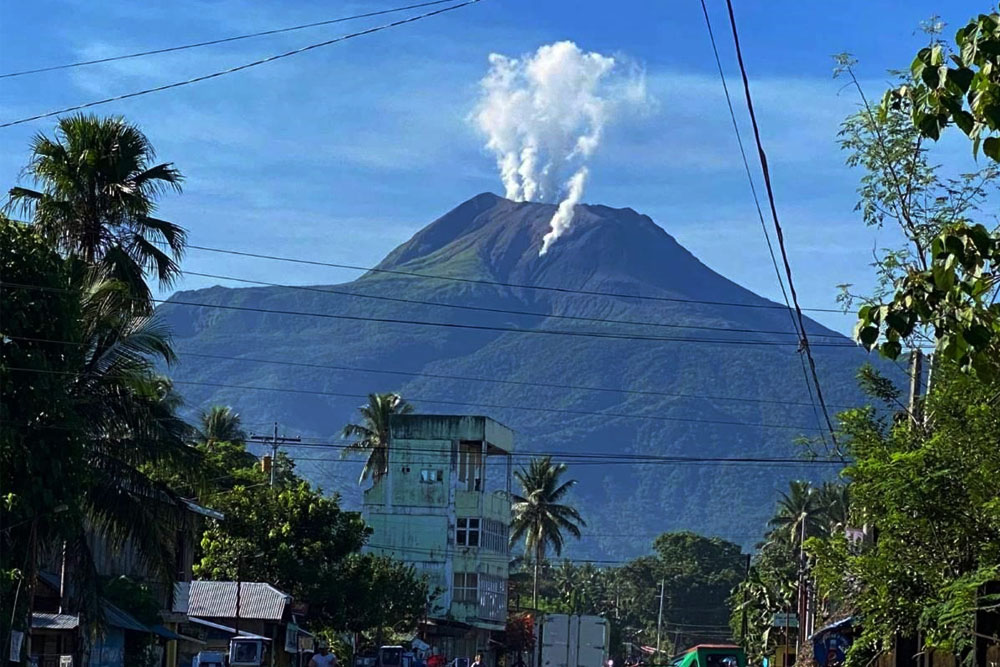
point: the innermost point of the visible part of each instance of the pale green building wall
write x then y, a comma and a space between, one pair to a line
416, 509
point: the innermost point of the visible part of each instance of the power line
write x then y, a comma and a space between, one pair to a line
238, 68
505, 311
756, 201
480, 281
549, 385
777, 225
223, 40
494, 406
463, 378
600, 457
453, 325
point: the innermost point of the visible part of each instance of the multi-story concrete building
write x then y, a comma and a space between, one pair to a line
444, 506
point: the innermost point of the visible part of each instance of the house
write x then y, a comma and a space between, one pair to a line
219, 611
444, 506
55, 636
123, 640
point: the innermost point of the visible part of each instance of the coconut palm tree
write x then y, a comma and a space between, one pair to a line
372, 434
799, 513
539, 518
835, 502
221, 423
97, 184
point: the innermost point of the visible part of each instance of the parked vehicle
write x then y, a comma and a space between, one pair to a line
712, 655
390, 656
563, 640
208, 659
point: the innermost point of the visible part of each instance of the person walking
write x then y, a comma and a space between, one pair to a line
323, 658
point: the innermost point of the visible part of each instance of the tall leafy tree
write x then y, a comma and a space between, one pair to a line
96, 187
371, 436
294, 537
539, 516
929, 494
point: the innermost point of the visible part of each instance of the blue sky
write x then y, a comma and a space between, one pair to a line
342, 153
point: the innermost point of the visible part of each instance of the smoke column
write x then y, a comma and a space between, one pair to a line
543, 116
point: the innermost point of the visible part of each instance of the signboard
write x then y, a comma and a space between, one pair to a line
306, 644
65, 661
300, 608
292, 638
16, 639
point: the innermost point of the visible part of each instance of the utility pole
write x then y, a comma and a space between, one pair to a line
274, 440
916, 373
239, 590
659, 621
743, 622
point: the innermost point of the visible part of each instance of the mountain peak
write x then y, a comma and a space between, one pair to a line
490, 237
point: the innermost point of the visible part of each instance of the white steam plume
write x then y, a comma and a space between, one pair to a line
543, 116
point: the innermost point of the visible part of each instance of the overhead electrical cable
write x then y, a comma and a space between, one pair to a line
777, 225
756, 201
494, 406
462, 378
239, 68
504, 311
223, 40
454, 325
496, 283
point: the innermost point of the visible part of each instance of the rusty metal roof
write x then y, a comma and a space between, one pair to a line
217, 599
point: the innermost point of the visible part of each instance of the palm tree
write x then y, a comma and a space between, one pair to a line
97, 186
834, 499
799, 513
129, 427
539, 518
372, 434
221, 423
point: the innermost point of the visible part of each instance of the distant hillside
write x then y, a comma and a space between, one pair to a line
608, 250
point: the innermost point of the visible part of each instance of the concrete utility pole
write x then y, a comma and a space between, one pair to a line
274, 440
659, 621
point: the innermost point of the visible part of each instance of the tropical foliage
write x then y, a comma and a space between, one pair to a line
929, 493
294, 537
371, 436
97, 182
942, 286
80, 358
539, 516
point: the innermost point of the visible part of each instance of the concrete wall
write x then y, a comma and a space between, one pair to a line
442, 470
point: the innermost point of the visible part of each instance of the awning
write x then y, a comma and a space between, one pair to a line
166, 633
226, 628
40, 621
121, 619
842, 623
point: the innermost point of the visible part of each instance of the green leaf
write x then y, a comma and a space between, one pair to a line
891, 349
867, 337
978, 336
961, 77
991, 148
964, 120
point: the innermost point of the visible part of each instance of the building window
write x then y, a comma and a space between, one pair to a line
466, 587
467, 532
495, 536
493, 598
431, 476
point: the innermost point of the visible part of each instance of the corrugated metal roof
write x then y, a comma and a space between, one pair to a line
217, 599
40, 621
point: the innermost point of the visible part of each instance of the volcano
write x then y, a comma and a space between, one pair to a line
635, 348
